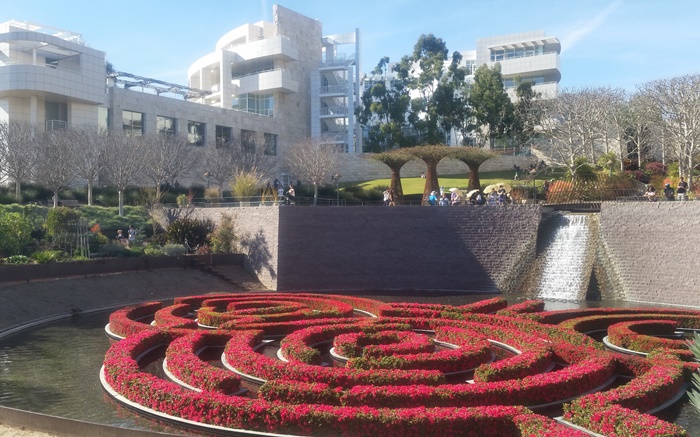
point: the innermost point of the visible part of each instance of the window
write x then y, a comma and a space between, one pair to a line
224, 136
166, 125
195, 133
132, 123
248, 141
271, 144
261, 104
103, 119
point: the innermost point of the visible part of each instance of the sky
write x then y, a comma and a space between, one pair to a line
605, 43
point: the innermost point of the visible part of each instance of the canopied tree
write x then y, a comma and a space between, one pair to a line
395, 160
18, 148
490, 103
122, 163
431, 155
55, 163
384, 110
313, 161
473, 157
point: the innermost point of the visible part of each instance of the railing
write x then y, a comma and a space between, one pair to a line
256, 73
39, 64
505, 57
334, 110
55, 124
334, 89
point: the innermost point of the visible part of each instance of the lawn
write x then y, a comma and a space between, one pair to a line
416, 185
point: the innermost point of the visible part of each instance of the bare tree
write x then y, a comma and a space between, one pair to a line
122, 163
55, 163
88, 159
165, 158
571, 126
676, 102
249, 154
313, 161
219, 165
18, 147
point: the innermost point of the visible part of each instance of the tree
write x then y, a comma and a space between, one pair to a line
394, 159
527, 113
122, 163
88, 160
16, 232
490, 103
55, 164
18, 147
431, 155
249, 155
676, 103
473, 157
165, 158
384, 110
219, 165
312, 161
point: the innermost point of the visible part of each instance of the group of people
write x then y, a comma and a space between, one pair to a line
668, 192
127, 240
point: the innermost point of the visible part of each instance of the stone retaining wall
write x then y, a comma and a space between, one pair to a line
477, 249
653, 247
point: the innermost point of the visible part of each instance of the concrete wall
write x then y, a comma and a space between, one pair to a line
461, 248
653, 249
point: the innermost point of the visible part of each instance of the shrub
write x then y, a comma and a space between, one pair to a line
245, 184
174, 249
112, 250
223, 239
16, 259
656, 168
195, 231
61, 220
47, 256
153, 250
16, 232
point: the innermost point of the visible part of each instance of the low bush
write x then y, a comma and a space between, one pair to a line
174, 249
112, 250
16, 259
47, 256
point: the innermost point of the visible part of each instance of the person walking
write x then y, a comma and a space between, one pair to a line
291, 195
669, 194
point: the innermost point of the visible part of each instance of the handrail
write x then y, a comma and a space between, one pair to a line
256, 73
37, 64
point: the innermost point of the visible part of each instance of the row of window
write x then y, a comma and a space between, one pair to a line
520, 52
261, 104
133, 124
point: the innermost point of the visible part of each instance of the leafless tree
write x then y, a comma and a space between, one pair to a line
165, 158
122, 163
88, 160
18, 148
676, 102
249, 155
638, 128
55, 163
313, 161
572, 127
219, 165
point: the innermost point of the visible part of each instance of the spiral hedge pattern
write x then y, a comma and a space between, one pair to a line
332, 365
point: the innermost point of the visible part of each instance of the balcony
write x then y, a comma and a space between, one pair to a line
545, 63
278, 47
334, 90
266, 81
334, 111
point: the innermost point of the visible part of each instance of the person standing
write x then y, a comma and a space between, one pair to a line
132, 236
387, 195
669, 194
291, 194
682, 190
432, 199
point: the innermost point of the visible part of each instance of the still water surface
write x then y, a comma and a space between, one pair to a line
54, 369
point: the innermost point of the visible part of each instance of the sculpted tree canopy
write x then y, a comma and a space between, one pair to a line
18, 148
431, 155
55, 164
490, 103
395, 160
313, 161
473, 157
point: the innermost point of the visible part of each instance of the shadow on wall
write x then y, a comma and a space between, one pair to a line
259, 255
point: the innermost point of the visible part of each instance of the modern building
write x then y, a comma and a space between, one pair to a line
267, 83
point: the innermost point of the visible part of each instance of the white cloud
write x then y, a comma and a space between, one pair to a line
575, 36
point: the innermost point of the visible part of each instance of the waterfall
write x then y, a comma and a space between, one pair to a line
563, 252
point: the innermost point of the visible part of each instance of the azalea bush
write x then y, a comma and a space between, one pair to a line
394, 364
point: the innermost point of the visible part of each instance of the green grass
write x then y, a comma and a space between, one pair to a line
461, 181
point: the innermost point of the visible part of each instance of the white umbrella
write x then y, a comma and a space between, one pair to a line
496, 187
471, 193
452, 190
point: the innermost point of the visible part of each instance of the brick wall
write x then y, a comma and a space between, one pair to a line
428, 248
652, 248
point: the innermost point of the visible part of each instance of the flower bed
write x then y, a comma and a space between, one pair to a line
635, 335
394, 382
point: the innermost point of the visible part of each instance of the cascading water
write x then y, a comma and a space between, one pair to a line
565, 266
